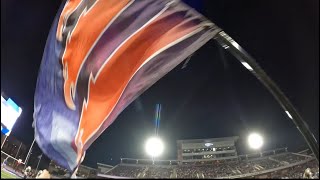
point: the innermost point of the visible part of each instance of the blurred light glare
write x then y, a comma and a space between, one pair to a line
245, 64
255, 141
289, 115
154, 147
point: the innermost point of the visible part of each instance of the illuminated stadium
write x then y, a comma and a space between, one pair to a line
275, 163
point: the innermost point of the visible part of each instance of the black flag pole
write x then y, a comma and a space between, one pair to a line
235, 49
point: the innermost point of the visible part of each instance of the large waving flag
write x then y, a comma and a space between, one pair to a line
100, 56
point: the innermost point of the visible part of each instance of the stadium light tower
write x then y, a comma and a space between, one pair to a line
255, 141
154, 147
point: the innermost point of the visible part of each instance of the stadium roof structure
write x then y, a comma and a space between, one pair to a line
105, 165
231, 138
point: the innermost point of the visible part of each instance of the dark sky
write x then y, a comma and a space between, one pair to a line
215, 96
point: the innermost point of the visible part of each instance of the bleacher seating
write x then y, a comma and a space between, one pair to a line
219, 170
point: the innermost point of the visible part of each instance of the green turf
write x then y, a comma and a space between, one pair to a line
6, 175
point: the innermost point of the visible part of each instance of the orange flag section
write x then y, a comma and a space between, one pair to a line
87, 30
116, 74
70, 6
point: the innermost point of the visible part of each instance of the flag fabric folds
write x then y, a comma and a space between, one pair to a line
100, 56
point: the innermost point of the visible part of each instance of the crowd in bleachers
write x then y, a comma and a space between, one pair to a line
297, 172
268, 164
158, 172
218, 170
290, 158
127, 171
225, 169
186, 172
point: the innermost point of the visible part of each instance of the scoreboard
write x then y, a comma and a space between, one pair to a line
10, 112
207, 149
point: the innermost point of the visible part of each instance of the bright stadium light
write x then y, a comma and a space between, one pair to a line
255, 141
154, 147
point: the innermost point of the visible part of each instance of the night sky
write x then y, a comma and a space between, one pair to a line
215, 96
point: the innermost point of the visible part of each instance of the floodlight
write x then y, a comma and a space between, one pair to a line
154, 147
255, 141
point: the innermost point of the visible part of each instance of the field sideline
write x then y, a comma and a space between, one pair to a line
7, 175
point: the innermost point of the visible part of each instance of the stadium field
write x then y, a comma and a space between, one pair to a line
7, 175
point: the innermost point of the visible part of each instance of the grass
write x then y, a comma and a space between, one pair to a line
7, 175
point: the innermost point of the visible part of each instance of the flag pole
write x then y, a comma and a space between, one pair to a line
39, 163
28, 155
4, 141
236, 50
18, 150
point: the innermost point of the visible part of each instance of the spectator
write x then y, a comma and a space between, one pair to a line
27, 172
44, 175
17, 164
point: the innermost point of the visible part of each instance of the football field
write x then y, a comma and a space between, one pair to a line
7, 175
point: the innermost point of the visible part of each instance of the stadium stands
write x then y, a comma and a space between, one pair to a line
269, 166
284, 165
290, 158
158, 172
127, 170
